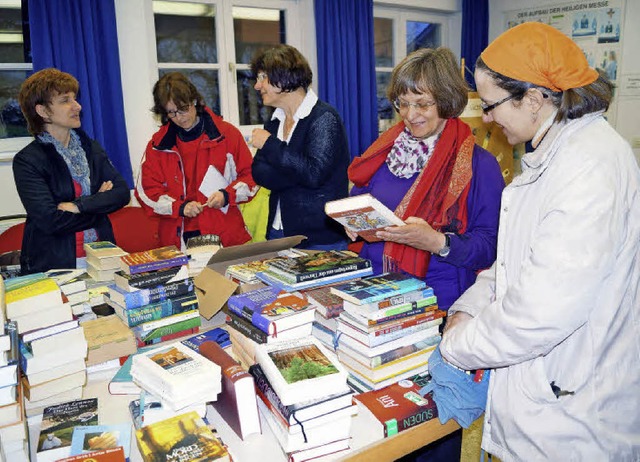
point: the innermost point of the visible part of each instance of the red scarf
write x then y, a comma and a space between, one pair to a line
438, 195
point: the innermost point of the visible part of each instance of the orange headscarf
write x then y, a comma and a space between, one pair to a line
540, 54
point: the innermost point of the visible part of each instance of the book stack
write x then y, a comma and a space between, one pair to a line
154, 296
13, 437
73, 284
108, 338
314, 270
51, 343
200, 249
103, 259
328, 307
303, 396
388, 329
177, 375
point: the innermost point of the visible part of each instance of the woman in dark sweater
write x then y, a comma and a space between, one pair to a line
65, 180
302, 154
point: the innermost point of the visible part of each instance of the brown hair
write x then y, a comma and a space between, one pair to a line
40, 88
285, 67
433, 70
572, 103
176, 87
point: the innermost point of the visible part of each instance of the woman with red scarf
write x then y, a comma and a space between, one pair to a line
447, 189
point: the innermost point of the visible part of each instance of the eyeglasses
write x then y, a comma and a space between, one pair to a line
261, 76
402, 105
488, 108
181, 111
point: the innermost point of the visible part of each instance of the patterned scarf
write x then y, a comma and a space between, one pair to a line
409, 154
438, 195
76, 160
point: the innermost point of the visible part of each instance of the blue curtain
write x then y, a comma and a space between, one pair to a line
80, 37
346, 66
475, 33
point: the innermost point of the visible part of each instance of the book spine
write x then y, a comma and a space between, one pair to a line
379, 340
401, 315
262, 383
419, 416
148, 280
157, 294
252, 315
156, 329
399, 308
245, 327
408, 323
156, 265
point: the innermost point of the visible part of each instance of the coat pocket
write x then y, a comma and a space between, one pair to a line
535, 382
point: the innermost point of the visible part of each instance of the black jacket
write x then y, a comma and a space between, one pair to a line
43, 181
305, 174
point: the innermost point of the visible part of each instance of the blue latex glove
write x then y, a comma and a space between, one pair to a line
455, 392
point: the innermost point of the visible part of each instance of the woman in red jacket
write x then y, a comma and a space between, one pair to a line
196, 168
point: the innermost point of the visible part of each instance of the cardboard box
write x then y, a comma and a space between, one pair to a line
214, 289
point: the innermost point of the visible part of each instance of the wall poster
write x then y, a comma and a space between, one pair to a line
596, 26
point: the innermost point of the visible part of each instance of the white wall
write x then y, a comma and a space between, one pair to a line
627, 120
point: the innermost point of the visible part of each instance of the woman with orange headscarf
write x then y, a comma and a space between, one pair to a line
556, 317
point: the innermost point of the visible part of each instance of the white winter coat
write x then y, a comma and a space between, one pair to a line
561, 304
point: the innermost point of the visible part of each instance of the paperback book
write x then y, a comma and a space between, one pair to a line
150, 279
396, 408
276, 280
316, 266
271, 309
326, 303
300, 369
181, 438
374, 339
134, 299
217, 334
157, 310
390, 302
89, 438
104, 455
363, 214
153, 330
375, 288
154, 259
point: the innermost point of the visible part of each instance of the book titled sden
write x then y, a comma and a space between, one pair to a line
363, 214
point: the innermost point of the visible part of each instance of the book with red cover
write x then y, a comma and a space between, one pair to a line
237, 401
397, 407
154, 259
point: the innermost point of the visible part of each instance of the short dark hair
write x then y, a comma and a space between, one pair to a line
433, 70
40, 88
572, 103
176, 87
285, 67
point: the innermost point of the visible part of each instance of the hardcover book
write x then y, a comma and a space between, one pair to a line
57, 426
134, 299
300, 369
89, 438
157, 310
299, 412
375, 288
237, 401
154, 259
181, 438
150, 279
396, 408
363, 214
317, 265
217, 334
271, 309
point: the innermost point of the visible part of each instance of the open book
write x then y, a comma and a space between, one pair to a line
363, 214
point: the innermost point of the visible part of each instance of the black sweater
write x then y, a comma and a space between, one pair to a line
305, 174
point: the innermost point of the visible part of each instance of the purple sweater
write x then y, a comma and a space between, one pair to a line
470, 252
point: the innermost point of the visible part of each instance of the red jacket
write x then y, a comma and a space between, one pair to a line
161, 183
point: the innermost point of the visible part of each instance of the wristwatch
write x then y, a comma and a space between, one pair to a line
443, 252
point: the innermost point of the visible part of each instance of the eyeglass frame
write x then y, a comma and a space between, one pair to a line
181, 111
421, 107
486, 109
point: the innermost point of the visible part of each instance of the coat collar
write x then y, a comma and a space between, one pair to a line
168, 138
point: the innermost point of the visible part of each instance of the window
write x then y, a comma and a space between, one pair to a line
396, 34
15, 65
213, 41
